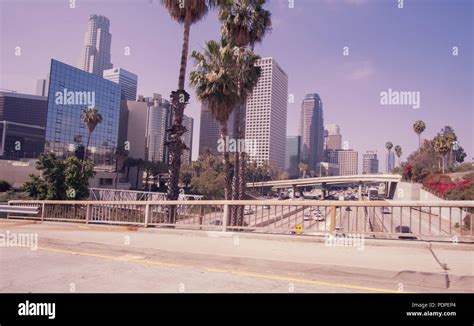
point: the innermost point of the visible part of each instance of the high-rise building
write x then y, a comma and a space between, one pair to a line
95, 56
22, 125
209, 132
127, 81
71, 91
293, 157
188, 122
42, 86
312, 130
389, 161
159, 120
347, 160
370, 163
266, 112
333, 138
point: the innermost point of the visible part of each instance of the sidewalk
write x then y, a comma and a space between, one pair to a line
398, 260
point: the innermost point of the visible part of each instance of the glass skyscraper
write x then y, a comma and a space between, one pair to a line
70, 91
312, 130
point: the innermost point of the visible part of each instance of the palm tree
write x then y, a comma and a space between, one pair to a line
214, 80
186, 12
91, 118
120, 155
398, 152
388, 146
419, 126
442, 146
303, 167
139, 164
244, 23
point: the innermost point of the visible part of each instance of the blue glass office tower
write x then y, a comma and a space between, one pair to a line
70, 91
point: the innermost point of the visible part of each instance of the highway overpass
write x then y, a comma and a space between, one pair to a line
391, 180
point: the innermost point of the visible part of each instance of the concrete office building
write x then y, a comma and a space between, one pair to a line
266, 115
293, 155
333, 139
22, 125
210, 132
370, 163
348, 161
95, 56
127, 81
312, 130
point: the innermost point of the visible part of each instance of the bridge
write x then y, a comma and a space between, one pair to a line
390, 180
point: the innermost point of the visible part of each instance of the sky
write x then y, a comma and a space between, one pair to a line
402, 49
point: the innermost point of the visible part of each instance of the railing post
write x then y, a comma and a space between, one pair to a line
147, 212
201, 215
88, 213
225, 217
333, 218
42, 211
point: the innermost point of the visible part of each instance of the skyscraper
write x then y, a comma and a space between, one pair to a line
293, 157
312, 130
72, 90
370, 163
95, 56
348, 160
266, 112
333, 138
209, 132
42, 86
188, 122
159, 120
389, 161
126, 80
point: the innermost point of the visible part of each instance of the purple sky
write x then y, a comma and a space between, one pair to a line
407, 49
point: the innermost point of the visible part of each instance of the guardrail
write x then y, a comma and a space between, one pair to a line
451, 220
132, 195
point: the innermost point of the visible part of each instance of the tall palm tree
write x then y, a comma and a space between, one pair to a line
419, 126
398, 152
214, 80
244, 23
442, 146
91, 118
185, 12
388, 146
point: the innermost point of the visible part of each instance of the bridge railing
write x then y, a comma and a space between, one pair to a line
402, 219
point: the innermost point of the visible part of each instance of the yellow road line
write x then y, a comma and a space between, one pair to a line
224, 271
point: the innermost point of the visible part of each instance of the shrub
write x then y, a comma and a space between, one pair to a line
4, 186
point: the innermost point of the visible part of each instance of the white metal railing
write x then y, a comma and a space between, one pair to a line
450, 220
131, 195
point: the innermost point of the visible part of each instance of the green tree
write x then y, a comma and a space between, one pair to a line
120, 156
244, 23
214, 80
77, 176
187, 13
419, 126
442, 145
91, 118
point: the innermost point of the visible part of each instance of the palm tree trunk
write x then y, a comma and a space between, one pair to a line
235, 179
175, 145
84, 157
225, 161
419, 141
136, 180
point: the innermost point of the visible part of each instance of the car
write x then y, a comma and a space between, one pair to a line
348, 209
404, 229
318, 217
266, 206
338, 228
385, 210
216, 222
307, 216
248, 211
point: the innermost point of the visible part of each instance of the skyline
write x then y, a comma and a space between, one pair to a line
391, 62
